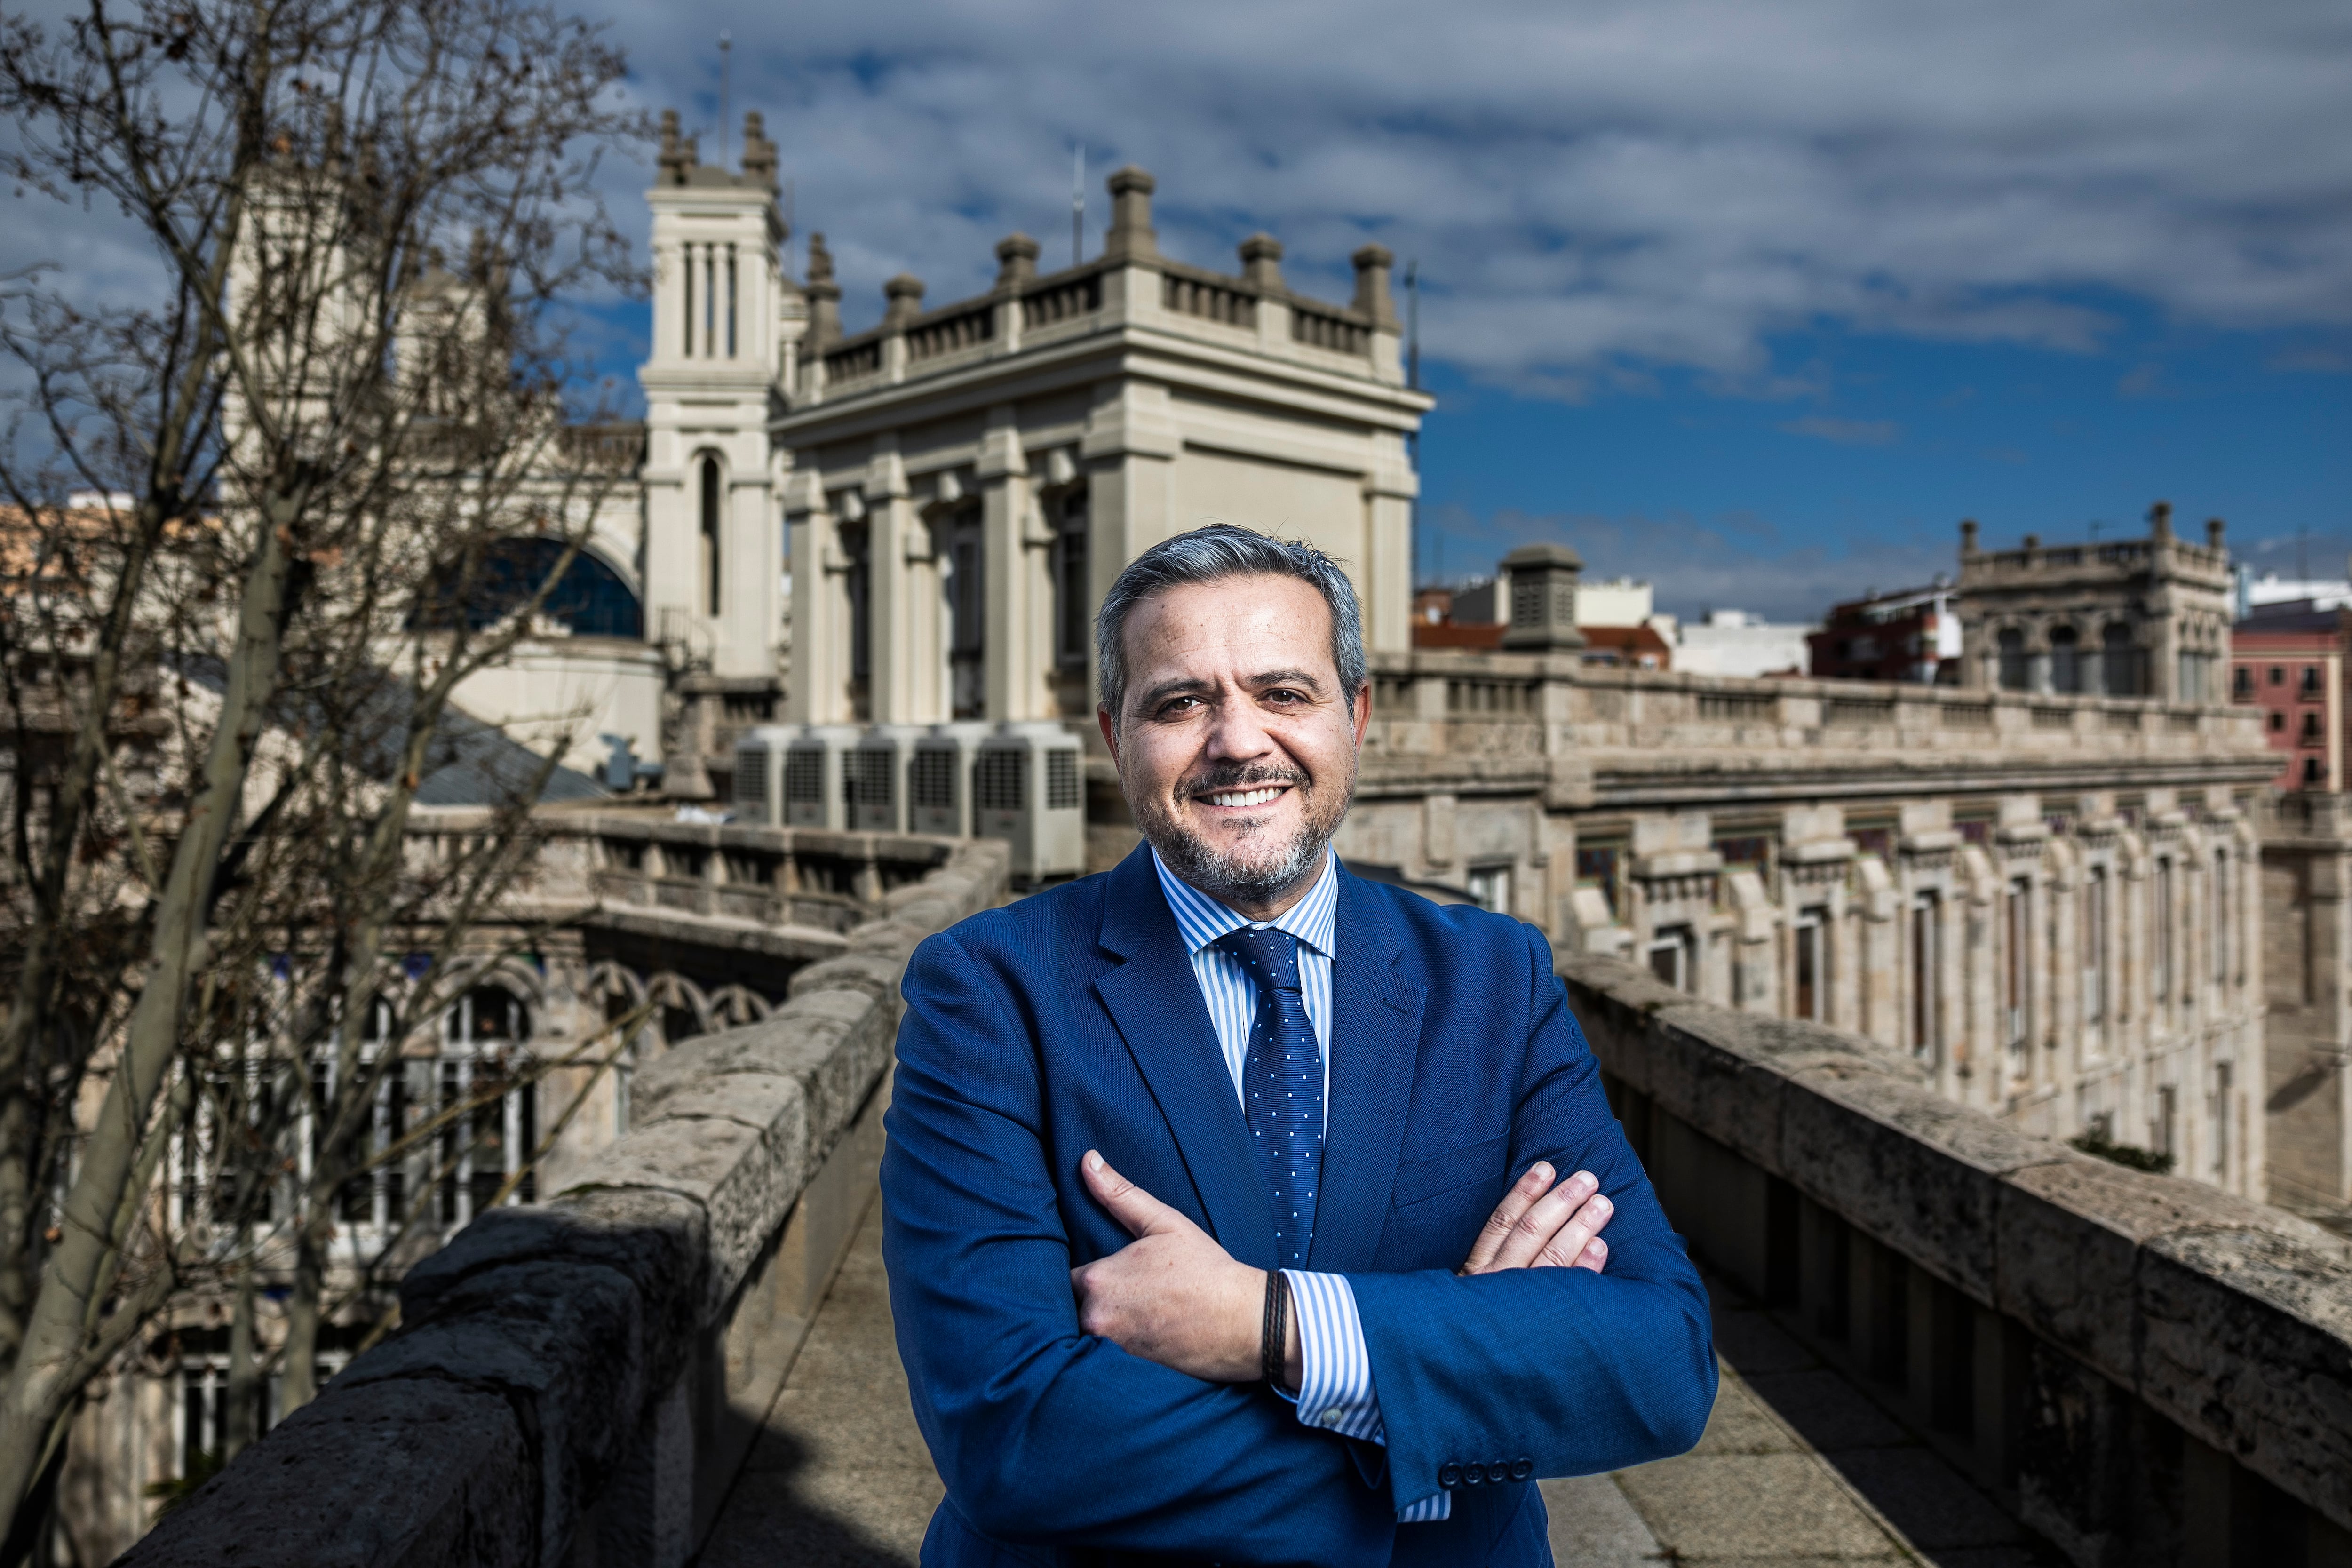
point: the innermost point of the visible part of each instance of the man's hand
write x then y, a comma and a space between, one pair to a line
1173, 1295
1538, 1225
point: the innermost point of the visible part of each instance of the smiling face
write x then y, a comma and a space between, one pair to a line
1236, 749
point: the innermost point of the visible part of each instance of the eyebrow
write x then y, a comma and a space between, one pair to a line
1153, 696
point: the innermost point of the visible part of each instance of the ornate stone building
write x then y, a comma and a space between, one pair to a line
2127, 618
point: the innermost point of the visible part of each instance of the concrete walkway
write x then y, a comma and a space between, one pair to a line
1798, 1467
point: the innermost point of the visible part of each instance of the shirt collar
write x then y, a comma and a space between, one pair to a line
1202, 920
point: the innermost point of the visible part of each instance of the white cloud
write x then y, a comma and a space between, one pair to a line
1594, 188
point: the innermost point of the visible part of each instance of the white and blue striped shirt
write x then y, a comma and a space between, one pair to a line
1335, 1386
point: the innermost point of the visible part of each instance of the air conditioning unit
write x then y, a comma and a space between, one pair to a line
1028, 788
876, 777
938, 779
815, 792
760, 774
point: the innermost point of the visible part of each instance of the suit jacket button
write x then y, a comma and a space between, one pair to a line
1472, 1474
1449, 1475
1522, 1468
1498, 1472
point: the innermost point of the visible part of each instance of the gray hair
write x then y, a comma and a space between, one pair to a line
1210, 554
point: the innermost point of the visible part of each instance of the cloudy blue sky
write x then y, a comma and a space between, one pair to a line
1757, 300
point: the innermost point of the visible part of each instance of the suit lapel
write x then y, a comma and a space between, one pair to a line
1375, 1044
1156, 1003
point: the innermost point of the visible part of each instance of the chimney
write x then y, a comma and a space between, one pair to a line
1132, 237
2215, 529
1543, 599
2160, 520
905, 297
824, 296
1262, 261
1372, 264
759, 153
1016, 262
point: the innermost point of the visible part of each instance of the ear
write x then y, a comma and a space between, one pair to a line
1111, 731
1363, 705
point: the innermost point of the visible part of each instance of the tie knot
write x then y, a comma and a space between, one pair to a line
1271, 956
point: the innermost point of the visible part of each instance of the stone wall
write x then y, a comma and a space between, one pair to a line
2147, 1371
578, 1382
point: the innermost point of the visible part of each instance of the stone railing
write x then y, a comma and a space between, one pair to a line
2143, 1369
579, 1381
1440, 713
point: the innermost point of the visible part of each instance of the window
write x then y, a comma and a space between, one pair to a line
483, 1078
2065, 665
1597, 868
2278, 721
856, 546
2311, 771
2312, 735
2223, 1109
1490, 888
2278, 675
1812, 977
965, 586
2122, 661
1073, 617
1670, 957
2095, 945
731, 302
2309, 684
2012, 660
1926, 1012
2164, 1129
710, 495
2241, 682
2016, 973
2221, 917
2160, 959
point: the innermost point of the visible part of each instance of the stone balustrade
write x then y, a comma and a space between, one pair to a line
2146, 1371
1507, 719
578, 1382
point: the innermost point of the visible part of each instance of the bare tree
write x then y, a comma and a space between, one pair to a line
228, 663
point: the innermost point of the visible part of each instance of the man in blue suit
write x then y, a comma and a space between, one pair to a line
1198, 1207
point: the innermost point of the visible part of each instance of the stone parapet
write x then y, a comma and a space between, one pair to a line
577, 1381
2149, 1370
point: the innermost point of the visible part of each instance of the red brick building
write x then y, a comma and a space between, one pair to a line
2289, 661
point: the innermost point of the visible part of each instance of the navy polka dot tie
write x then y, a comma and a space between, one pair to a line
1282, 1086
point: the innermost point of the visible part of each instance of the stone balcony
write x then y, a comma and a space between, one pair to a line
1947, 1340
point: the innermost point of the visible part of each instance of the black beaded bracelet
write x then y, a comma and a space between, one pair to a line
1274, 1341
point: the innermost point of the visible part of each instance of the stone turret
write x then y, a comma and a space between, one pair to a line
1016, 262
1543, 599
905, 297
1131, 236
1372, 263
1262, 261
824, 296
678, 154
759, 153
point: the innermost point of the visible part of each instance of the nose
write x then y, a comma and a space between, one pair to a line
1237, 732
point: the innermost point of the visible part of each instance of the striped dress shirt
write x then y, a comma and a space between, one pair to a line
1335, 1384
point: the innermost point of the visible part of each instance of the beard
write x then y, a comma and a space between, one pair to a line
1260, 869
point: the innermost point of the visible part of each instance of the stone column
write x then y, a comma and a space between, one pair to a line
1018, 602
891, 614
1384, 579
1017, 269
751, 564
1372, 263
820, 673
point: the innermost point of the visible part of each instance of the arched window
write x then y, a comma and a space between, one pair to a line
589, 601
710, 485
2012, 660
485, 1078
2065, 665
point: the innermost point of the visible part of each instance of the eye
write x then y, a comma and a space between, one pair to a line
1283, 695
1176, 707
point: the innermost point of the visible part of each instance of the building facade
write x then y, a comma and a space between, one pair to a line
967, 481
2137, 617
1914, 636
2287, 662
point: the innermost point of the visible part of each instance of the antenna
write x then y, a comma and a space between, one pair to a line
1413, 323
726, 46
1078, 203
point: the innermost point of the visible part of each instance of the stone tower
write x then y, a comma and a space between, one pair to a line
726, 326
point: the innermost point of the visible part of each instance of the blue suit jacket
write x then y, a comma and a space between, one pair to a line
1070, 1021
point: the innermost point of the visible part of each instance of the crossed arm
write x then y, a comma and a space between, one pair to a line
1173, 1295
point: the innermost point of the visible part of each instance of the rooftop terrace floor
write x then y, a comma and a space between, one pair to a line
1799, 1465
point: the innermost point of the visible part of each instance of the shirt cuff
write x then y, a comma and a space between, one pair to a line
1334, 1378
